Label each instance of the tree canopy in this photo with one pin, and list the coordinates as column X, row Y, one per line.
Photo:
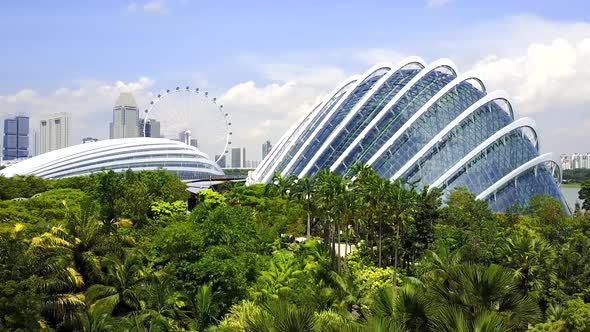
column 120, row 252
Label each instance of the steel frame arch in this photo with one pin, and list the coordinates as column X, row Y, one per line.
column 454, row 83
column 362, row 79
column 360, row 104
column 520, row 123
column 283, row 140
column 490, row 97
column 267, row 174
column 433, row 66
column 547, row 157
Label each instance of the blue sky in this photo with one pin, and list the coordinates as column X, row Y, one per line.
column 270, row 60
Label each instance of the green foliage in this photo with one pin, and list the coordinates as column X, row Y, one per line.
column 118, row 251
column 210, row 198
column 577, row 175
column 577, row 315
column 584, row 194
column 159, row 209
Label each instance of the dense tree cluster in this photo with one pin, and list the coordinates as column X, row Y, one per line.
column 119, row 252
column 577, row 175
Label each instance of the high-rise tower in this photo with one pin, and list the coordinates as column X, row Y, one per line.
column 125, row 117
column 266, row 147
column 16, row 138
column 54, row 132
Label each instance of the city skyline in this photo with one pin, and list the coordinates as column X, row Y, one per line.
column 267, row 81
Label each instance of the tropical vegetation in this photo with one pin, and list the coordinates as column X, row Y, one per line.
column 119, row 252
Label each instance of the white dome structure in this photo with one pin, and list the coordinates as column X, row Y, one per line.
column 137, row 154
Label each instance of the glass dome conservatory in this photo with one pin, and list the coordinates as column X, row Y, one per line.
column 422, row 122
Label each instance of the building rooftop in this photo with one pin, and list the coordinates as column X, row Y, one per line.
column 126, row 99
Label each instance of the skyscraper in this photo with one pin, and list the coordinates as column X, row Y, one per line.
column 236, row 158
column 16, row 138
column 152, row 129
column 266, row 147
column 221, row 161
column 54, row 132
column 125, row 117
column 244, row 157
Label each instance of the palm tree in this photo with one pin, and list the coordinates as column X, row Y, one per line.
column 304, row 190
column 279, row 279
column 281, row 317
column 326, row 184
column 80, row 241
column 279, row 185
column 533, row 259
column 164, row 305
column 372, row 191
column 72, row 260
column 477, row 290
column 121, row 291
column 95, row 320
column 402, row 209
column 407, row 306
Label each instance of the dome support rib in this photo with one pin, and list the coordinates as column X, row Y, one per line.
column 495, row 95
column 436, row 64
column 520, row 123
column 359, row 105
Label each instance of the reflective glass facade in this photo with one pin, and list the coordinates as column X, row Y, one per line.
column 426, row 124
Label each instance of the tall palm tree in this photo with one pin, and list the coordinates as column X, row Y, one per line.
column 371, row 190
column 304, row 190
column 326, row 184
column 279, row 185
column 122, row 289
column 402, row 208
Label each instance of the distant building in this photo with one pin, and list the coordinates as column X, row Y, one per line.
column 221, row 161
column 54, row 132
column 236, row 158
column 243, row 157
column 125, row 117
column 565, row 161
column 266, row 147
column 16, row 138
column 187, row 138
column 89, row 139
column 152, row 128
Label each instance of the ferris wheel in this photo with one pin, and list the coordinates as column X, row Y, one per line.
column 191, row 116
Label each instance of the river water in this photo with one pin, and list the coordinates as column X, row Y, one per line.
column 571, row 196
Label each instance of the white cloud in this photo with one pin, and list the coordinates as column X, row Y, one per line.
column 437, row 3
column 150, row 6
column 550, row 74
column 266, row 112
